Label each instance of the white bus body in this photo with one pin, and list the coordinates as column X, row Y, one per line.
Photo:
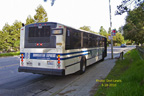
column 55, row 49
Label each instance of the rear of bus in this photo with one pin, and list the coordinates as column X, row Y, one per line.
column 40, row 48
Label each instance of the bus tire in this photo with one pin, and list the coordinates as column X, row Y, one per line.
column 103, row 56
column 82, row 65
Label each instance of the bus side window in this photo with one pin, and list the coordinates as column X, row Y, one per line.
column 67, row 39
column 68, row 33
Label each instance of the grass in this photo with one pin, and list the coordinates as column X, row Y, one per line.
column 9, row 54
column 131, row 73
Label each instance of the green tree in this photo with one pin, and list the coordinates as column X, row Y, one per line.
column 128, row 5
column 11, row 35
column 29, row 20
column 7, row 42
column 120, row 30
column 102, row 31
column 16, row 35
column 109, row 31
column 41, row 15
column 119, row 38
column 87, row 28
column 3, row 44
column 134, row 27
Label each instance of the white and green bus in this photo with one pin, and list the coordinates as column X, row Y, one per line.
column 56, row 49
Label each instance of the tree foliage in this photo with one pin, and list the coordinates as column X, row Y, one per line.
column 29, row 20
column 10, row 34
column 87, row 28
column 109, row 30
column 120, row 30
column 41, row 15
column 119, row 38
column 102, row 31
column 128, row 5
column 134, row 27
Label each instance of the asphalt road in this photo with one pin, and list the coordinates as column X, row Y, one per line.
column 13, row 83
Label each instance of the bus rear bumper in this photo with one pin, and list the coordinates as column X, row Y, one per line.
column 45, row 71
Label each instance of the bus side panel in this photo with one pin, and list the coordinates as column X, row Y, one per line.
column 94, row 56
column 22, row 36
column 72, row 65
column 72, row 69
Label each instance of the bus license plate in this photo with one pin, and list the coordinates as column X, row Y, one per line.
column 50, row 62
column 29, row 64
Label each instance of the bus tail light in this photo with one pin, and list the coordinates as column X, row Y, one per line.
column 41, row 44
column 22, row 56
column 58, row 61
column 37, row 44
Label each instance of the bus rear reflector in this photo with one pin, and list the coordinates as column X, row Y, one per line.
column 58, row 43
column 58, row 55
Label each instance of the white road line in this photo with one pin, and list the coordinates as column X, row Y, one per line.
column 8, row 66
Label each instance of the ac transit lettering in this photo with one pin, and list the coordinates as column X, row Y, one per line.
column 50, row 55
column 38, row 55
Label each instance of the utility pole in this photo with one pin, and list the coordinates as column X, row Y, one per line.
column 111, row 31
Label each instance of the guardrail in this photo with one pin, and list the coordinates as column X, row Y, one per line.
column 121, row 55
column 141, row 50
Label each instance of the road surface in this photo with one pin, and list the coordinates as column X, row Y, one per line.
column 13, row 83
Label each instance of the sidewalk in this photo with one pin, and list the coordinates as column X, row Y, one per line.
column 87, row 85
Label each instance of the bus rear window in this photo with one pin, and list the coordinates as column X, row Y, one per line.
column 39, row 31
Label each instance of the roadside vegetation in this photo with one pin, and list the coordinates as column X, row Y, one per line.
column 10, row 54
column 133, row 29
column 130, row 72
column 10, row 34
column 131, row 32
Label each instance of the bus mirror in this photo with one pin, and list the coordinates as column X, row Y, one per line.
column 23, row 24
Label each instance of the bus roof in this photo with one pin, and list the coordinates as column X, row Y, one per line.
column 64, row 25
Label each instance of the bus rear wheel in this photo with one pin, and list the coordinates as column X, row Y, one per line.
column 82, row 65
column 102, row 56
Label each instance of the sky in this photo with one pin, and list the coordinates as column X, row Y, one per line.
column 74, row 13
